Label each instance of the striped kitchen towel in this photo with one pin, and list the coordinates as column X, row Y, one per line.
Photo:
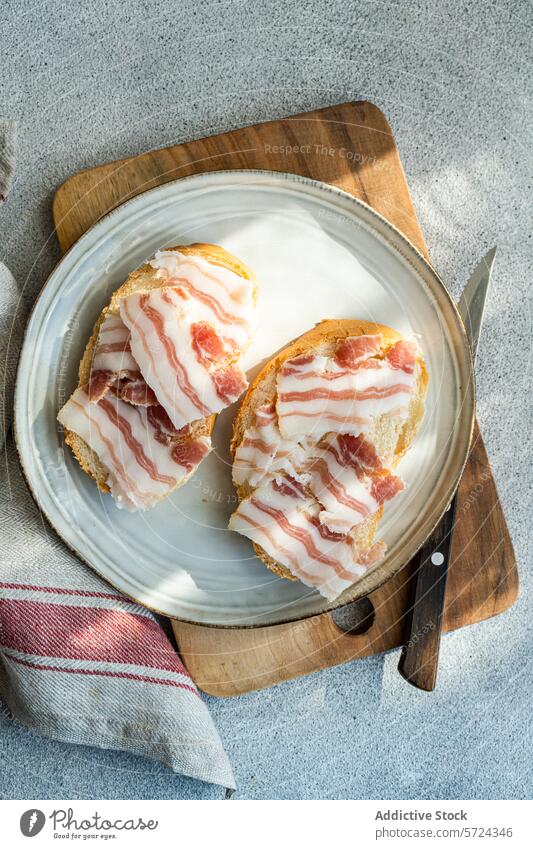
column 82, row 664
column 78, row 661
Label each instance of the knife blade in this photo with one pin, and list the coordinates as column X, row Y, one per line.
column 471, row 304
column 420, row 654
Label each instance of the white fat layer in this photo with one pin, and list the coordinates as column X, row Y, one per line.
column 281, row 445
column 223, row 287
column 296, row 541
column 308, row 416
column 346, row 497
column 263, row 452
column 131, row 484
column 113, row 331
column 186, row 391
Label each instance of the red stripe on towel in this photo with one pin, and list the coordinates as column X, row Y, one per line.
column 86, row 633
column 166, row 682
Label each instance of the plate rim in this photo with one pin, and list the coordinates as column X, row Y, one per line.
column 468, row 394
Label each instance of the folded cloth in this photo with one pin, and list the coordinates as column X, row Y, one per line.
column 78, row 661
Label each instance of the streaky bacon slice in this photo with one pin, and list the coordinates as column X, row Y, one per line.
column 266, row 415
column 112, row 358
column 134, row 390
column 99, row 383
column 342, row 471
column 287, row 527
column 351, row 352
column 316, row 395
column 341, row 488
column 347, row 479
column 112, row 351
column 178, row 355
column 263, row 452
column 402, row 355
column 141, row 469
column 314, row 447
column 170, row 359
column 358, row 452
column 325, row 532
column 164, row 430
column 189, row 453
column 299, row 364
column 288, row 485
column 212, row 293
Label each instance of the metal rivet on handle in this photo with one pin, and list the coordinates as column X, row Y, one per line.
column 437, row 558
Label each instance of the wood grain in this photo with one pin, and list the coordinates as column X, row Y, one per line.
column 350, row 146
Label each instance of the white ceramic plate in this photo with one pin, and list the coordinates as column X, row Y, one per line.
column 317, row 253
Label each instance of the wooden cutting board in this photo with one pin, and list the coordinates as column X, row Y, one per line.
column 352, row 147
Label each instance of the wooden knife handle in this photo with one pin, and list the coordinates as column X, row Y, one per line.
column 420, row 654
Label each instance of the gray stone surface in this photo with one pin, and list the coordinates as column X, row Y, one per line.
column 454, row 80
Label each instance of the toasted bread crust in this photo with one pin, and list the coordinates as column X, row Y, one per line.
column 324, row 337
column 144, row 279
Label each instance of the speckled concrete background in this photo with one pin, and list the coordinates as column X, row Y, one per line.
column 455, row 82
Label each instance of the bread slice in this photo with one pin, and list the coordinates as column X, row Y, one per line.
column 144, row 279
column 391, row 438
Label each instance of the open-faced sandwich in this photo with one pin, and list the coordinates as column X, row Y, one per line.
column 315, row 443
column 163, row 359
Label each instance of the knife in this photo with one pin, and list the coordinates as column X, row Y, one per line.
column 420, row 654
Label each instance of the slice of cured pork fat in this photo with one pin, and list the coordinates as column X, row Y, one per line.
column 318, row 483
column 165, row 360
